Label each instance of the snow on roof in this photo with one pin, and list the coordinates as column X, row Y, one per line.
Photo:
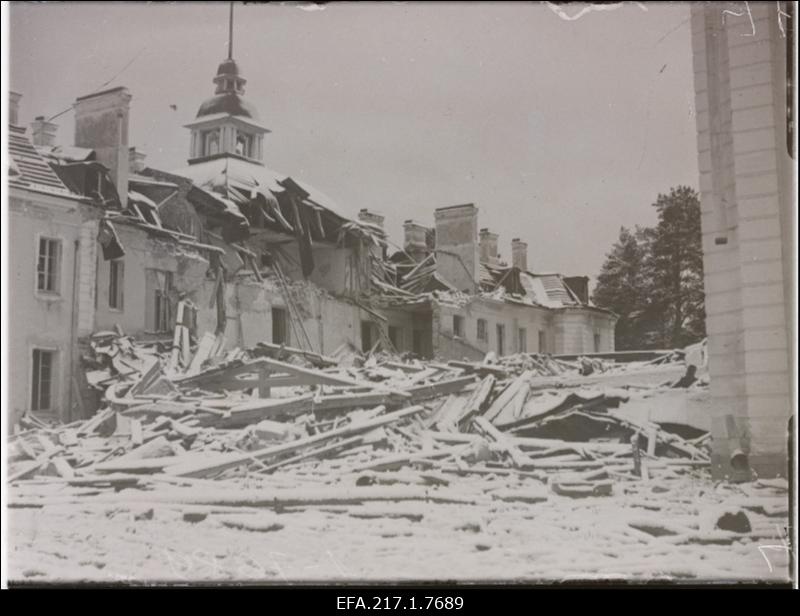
column 214, row 175
column 29, row 169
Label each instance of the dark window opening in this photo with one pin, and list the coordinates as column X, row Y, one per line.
column 394, row 337
column 116, row 283
column 280, row 333
column 597, row 343
column 523, row 340
column 42, row 380
column 501, row 339
column 159, row 293
column 417, row 342
column 458, row 326
column 366, row 336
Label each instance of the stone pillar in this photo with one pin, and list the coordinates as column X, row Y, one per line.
column 747, row 221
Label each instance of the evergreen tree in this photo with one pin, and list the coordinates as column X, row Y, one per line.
column 675, row 255
column 653, row 278
column 622, row 287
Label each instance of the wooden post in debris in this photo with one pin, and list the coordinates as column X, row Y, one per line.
column 637, row 456
column 263, row 381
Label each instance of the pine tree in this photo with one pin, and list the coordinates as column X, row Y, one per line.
column 653, row 278
column 622, row 287
column 675, row 256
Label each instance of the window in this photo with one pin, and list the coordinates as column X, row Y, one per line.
column 158, row 311
column 483, row 330
column 597, row 343
column 42, row 380
column 542, row 342
column 394, row 337
column 116, row 283
column 501, row 339
column 211, row 142
column 244, row 144
column 458, row 326
column 48, row 265
column 523, row 340
column 280, row 333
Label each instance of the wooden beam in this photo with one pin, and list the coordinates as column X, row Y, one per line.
column 204, row 469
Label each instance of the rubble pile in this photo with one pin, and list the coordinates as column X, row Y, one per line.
column 171, row 417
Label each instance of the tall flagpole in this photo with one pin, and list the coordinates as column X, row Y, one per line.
column 230, row 34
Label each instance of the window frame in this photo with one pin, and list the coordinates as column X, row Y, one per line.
column 34, row 391
column 482, row 330
column 284, row 320
column 57, row 268
column 205, row 141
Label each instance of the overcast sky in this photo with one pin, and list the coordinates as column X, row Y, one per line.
column 559, row 130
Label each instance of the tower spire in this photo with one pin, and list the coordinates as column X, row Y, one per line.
column 230, row 34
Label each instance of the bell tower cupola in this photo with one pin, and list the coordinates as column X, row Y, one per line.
column 226, row 124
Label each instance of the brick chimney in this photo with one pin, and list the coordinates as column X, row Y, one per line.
column 488, row 246
column 135, row 160
column 13, row 107
column 414, row 239
column 457, row 254
column 370, row 217
column 43, row 132
column 579, row 285
column 519, row 254
column 101, row 123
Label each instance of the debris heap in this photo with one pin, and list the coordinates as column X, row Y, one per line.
column 172, row 417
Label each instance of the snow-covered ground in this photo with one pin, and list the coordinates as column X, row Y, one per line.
column 658, row 529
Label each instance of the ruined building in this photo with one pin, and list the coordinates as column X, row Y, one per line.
column 224, row 252
column 448, row 294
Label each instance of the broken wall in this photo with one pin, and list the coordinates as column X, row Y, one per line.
column 411, row 331
column 142, row 253
column 329, row 322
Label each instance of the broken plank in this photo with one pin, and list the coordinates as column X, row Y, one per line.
column 477, row 401
column 319, row 452
column 420, row 393
column 519, row 459
column 203, row 469
column 507, row 395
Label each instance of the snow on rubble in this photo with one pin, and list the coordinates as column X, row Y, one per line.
column 276, row 464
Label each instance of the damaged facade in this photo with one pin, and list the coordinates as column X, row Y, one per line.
column 448, row 294
column 226, row 253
